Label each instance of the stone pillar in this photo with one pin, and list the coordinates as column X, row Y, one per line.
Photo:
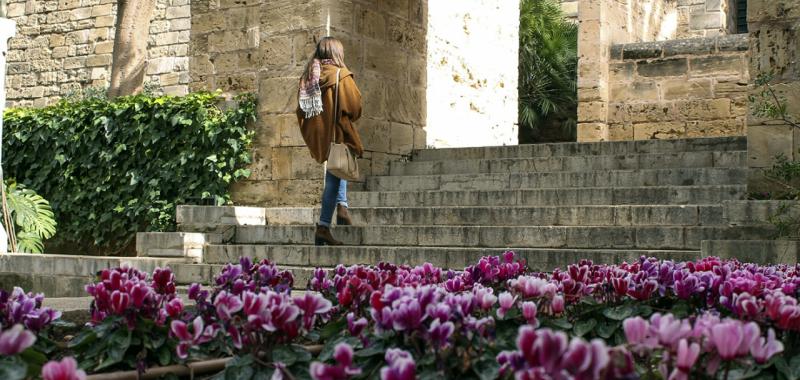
column 774, row 27
column 8, row 29
column 598, row 21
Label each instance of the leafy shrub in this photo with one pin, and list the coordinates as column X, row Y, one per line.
column 112, row 168
column 32, row 216
column 548, row 64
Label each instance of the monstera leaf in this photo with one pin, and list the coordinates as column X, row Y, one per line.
column 33, row 218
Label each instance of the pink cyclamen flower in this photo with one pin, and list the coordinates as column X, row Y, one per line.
column 439, row 333
column 766, row 348
column 16, row 340
column 687, row 355
column 355, row 326
column 557, row 304
column 311, row 305
column 529, row 312
column 636, row 330
column 66, row 369
column 227, row 304
column 401, row 366
column 669, row 329
column 506, row 303
column 342, row 370
column 200, row 334
column 727, row 337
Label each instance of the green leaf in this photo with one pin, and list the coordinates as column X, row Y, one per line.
column 560, row 323
column 606, row 329
column 377, row 348
column 619, row 313
column 12, row 368
column 285, row 355
column 487, row 369
column 581, row 328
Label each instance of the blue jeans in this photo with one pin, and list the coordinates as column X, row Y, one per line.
column 335, row 193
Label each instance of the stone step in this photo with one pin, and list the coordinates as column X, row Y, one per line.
column 755, row 251
column 446, row 257
column 675, row 215
column 611, row 178
column 719, row 144
column 177, row 244
column 573, row 163
column 553, row 197
column 627, row 237
column 65, row 275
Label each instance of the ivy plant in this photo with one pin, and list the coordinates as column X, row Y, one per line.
column 111, row 168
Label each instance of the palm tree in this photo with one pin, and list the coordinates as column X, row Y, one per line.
column 548, row 60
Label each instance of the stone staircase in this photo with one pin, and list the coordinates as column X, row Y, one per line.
column 553, row 204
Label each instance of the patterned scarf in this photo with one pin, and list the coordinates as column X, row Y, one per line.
column 310, row 96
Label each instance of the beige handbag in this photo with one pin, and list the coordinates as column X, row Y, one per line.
column 341, row 161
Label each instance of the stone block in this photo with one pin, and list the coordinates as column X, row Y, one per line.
column 275, row 52
column 776, row 10
column 294, row 163
column 733, row 43
column 717, row 65
column 766, row 142
column 102, row 10
column 177, row 25
column 278, row 95
column 409, row 36
column 632, row 112
column 277, row 193
column 370, row 23
column 642, row 50
column 620, row 132
column 106, row 47
column 754, row 251
column 103, row 21
column 245, row 82
column 183, row 11
column 691, row 46
column 715, row 128
column 730, row 87
column 662, row 67
column 711, row 109
column 174, row 244
column 634, row 92
column 592, row 112
column 709, row 20
column 590, row 132
column 665, row 130
column 621, row 72
column 673, row 89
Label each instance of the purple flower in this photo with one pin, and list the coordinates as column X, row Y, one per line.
column 529, row 312
column 355, row 326
column 15, row 340
column 311, row 305
column 227, row 304
column 506, row 303
column 484, row 297
column 407, row 315
column 766, row 348
column 200, row 334
column 342, row 370
column 401, row 366
column 66, row 369
column 727, row 337
column 439, row 333
column 636, row 330
column 557, row 305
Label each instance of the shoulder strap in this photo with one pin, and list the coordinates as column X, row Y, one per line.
column 335, row 105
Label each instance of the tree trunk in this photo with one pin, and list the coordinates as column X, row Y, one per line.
column 129, row 62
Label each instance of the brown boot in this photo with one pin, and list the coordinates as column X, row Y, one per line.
column 323, row 236
column 343, row 216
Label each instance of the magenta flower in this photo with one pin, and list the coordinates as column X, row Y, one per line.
column 636, row 330
column 766, row 348
column 355, row 326
column 120, row 302
column 311, row 305
column 506, row 303
column 484, row 297
column 439, row 333
column 727, row 337
column 669, row 330
column 227, row 304
column 200, row 334
column 687, row 355
column 557, row 305
column 401, row 366
column 407, row 315
column 15, row 340
column 529, row 312
column 66, row 369
column 342, row 370
column 174, row 307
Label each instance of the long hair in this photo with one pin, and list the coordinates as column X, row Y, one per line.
column 327, row 48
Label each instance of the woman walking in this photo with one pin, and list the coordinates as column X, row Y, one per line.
column 323, row 119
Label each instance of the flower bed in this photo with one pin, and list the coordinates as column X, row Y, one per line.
column 495, row 319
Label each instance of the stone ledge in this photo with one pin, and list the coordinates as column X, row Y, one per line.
column 691, row 46
column 175, row 244
column 754, row 251
column 755, row 213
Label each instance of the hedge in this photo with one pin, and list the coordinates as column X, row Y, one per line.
column 111, row 168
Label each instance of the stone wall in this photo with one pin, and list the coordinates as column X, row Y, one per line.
column 774, row 27
column 706, row 18
column 63, row 46
column 263, row 46
column 677, row 89
column 472, row 56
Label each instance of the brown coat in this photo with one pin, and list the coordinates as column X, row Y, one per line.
column 317, row 130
